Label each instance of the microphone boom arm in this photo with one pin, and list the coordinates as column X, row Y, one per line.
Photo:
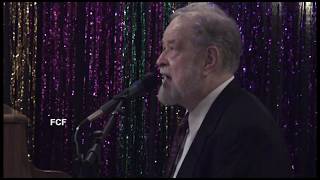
column 93, row 153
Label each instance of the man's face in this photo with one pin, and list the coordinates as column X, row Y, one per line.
column 179, row 64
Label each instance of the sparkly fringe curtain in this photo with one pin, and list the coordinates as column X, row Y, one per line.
column 20, row 41
column 64, row 60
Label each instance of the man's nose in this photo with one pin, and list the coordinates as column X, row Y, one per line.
column 161, row 61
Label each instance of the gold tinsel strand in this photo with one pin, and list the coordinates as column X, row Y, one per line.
column 33, row 91
column 12, row 55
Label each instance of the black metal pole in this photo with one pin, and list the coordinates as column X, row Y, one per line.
column 92, row 160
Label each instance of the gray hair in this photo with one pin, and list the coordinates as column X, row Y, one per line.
column 214, row 26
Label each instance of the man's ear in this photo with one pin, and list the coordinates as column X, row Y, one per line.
column 211, row 59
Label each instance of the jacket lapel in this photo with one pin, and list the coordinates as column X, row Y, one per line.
column 207, row 127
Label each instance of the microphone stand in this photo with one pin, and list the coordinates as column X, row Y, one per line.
column 88, row 166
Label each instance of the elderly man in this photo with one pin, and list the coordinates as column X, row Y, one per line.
column 227, row 132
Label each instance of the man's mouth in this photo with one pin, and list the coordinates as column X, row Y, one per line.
column 165, row 77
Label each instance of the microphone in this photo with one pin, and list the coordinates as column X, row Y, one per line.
column 146, row 84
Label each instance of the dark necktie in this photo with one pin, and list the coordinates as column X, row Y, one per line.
column 177, row 146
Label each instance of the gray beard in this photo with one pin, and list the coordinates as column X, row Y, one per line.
column 168, row 96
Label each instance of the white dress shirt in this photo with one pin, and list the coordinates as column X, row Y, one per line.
column 196, row 118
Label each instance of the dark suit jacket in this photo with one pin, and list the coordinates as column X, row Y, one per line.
column 238, row 138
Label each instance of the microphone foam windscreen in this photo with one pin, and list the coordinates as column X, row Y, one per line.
column 150, row 82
